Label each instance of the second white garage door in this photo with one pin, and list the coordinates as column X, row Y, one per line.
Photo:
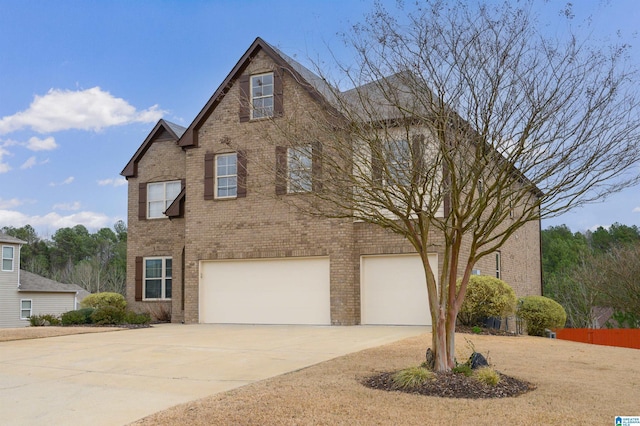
column 393, row 289
column 265, row 291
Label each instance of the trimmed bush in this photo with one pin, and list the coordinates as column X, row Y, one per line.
column 99, row 300
column 541, row 313
column 107, row 315
column 486, row 297
column 131, row 317
column 78, row 317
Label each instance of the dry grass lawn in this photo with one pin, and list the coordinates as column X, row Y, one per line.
column 576, row 384
column 22, row 333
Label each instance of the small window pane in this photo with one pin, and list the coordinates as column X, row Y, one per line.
column 153, row 289
column 154, row 268
column 155, row 192
column 167, row 291
column 173, row 189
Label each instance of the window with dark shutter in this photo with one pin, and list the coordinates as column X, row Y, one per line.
column 316, row 166
column 209, row 176
column 142, row 201
column 138, row 279
column 245, row 110
column 281, row 170
column 242, row 174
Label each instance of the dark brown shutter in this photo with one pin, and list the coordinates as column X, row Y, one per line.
column 281, row 170
column 208, row 176
column 245, row 98
column 376, row 163
column 142, row 201
column 278, row 104
column 316, row 166
column 417, row 158
column 138, row 292
column 242, row 173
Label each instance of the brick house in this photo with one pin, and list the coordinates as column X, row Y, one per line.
column 205, row 244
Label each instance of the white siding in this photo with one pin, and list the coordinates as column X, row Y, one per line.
column 9, row 296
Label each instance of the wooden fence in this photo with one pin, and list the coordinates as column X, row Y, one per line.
column 622, row 337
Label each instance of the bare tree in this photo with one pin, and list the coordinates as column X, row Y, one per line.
column 464, row 124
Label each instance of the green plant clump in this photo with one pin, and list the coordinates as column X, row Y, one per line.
column 73, row 318
column 541, row 313
column 487, row 375
column 486, row 297
column 99, row 300
column 108, row 315
column 412, row 377
column 463, row 369
column 42, row 320
column 131, row 317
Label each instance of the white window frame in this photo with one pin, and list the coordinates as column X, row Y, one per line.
column 299, row 175
column 22, row 309
column 12, row 258
column 163, row 278
column 498, row 265
column 166, row 200
column 219, row 176
column 260, row 111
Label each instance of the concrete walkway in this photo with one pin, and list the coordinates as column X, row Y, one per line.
column 118, row 377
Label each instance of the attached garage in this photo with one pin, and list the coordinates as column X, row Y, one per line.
column 265, row 291
column 393, row 289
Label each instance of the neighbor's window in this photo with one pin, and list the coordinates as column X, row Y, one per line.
column 157, row 278
column 498, row 265
column 227, row 175
column 299, row 169
column 398, row 157
column 262, row 95
column 25, row 309
column 7, row 258
column 160, row 195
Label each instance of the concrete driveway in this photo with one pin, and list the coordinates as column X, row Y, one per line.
column 117, row 377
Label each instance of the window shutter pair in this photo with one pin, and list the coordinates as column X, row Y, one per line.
column 245, row 96
column 209, row 175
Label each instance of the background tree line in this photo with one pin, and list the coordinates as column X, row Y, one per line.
column 582, row 271
column 95, row 261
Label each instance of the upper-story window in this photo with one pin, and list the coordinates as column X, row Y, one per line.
column 226, row 175
column 7, row 258
column 399, row 165
column 261, row 95
column 300, row 169
column 160, row 195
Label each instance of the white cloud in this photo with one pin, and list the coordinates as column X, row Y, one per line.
column 4, row 167
column 8, row 204
column 113, row 182
column 67, row 181
column 47, row 144
column 90, row 109
column 75, row 206
column 54, row 221
column 636, row 210
column 31, row 161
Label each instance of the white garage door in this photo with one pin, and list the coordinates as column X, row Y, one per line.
column 393, row 289
column 269, row 291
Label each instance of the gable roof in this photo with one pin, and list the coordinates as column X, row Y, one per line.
column 314, row 85
column 4, row 238
column 35, row 283
column 163, row 131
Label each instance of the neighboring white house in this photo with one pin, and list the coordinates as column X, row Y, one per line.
column 23, row 293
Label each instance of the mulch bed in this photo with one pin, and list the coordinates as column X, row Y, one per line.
column 454, row 385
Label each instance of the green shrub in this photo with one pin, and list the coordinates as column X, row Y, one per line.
column 541, row 313
column 107, row 315
column 99, row 300
column 487, row 375
column 412, row 377
column 131, row 317
column 486, row 297
column 76, row 317
column 43, row 320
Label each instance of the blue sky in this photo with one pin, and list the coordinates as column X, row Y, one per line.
column 83, row 82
